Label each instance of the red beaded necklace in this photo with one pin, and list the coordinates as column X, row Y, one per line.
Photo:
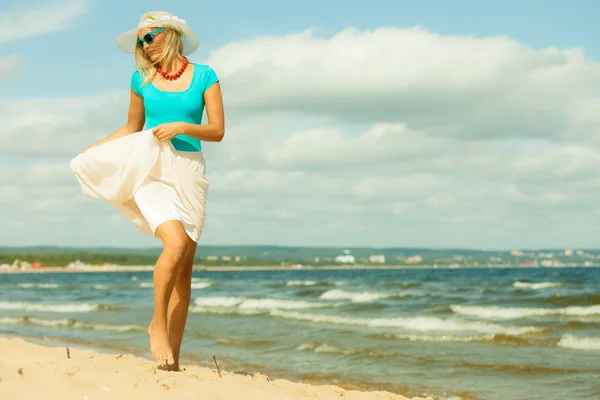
column 177, row 74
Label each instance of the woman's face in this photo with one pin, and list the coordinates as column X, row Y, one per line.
column 152, row 42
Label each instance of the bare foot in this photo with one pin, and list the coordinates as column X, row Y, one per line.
column 159, row 345
column 170, row 368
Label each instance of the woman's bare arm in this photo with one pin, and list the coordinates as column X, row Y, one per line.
column 214, row 130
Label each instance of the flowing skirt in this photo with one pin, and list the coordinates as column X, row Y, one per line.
column 147, row 180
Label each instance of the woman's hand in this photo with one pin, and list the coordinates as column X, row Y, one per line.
column 167, row 131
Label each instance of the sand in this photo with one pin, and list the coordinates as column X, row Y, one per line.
column 32, row 371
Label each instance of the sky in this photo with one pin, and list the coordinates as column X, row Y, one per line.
column 470, row 124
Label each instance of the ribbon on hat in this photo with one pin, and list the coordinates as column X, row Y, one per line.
column 150, row 19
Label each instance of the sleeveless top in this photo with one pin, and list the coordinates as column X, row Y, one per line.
column 183, row 106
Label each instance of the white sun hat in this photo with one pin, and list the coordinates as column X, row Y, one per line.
column 127, row 40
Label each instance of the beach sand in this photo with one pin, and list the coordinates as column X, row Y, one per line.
column 32, row 371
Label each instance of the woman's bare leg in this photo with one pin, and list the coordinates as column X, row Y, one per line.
column 180, row 302
column 175, row 243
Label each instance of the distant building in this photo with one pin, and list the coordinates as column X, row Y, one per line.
column 545, row 255
column 517, row 253
column 226, row 258
column 345, row 259
column 551, row 263
column 414, row 260
column 568, row 252
column 212, row 258
column 377, row 258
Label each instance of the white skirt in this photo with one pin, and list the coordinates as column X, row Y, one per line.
column 147, row 180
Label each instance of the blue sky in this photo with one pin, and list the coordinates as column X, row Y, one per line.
column 391, row 123
column 87, row 48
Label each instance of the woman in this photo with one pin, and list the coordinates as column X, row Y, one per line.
column 156, row 176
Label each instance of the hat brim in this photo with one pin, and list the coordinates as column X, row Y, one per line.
column 126, row 41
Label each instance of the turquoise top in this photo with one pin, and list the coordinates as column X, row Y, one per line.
column 184, row 106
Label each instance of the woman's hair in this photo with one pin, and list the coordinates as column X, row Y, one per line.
column 172, row 49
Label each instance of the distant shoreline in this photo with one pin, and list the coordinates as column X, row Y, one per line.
column 145, row 268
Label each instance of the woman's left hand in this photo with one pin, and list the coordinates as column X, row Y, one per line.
column 167, row 131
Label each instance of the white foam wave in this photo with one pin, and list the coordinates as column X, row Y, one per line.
column 494, row 312
column 577, row 342
column 357, row 297
column 536, row 286
column 301, row 283
column 244, row 305
column 59, row 308
column 201, row 285
column 68, row 323
column 38, row 285
column 10, row 320
column 426, row 324
column 110, row 328
column 331, row 349
column 444, row 338
column 101, row 287
column 196, row 284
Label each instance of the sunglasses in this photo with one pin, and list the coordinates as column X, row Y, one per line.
column 148, row 38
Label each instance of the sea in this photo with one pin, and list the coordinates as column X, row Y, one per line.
column 453, row 334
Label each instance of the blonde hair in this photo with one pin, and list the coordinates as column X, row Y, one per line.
column 172, row 49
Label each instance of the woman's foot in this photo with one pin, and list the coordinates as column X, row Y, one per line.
column 159, row 345
column 170, row 368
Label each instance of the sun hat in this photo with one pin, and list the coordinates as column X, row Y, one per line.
column 126, row 41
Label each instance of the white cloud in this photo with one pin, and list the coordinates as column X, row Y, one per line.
column 380, row 146
column 59, row 126
column 461, row 86
column 22, row 22
column 9, row 66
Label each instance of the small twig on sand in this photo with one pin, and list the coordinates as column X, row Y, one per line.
column 68, row 353
column 20, row 371
column 218, row 371
column 119, row 356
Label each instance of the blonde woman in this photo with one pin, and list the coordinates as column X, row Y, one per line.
column 152, row 169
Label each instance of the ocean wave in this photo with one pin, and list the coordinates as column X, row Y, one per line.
column 494, row 338
column 70, row 323
column 536, row 286
column 38, row 285
column 104, row 287
column 245, row 305
column 59, row 308
column 579, row 299
column 358, row 297
column 301, row 283
column 426, row 324
column 243, row 342
column 440, row 338
column 521, row 369
column 571, row 341
column 403, row 284
column 495, row 312
column 197, row 283
column 201, row 285
column 324, row 348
